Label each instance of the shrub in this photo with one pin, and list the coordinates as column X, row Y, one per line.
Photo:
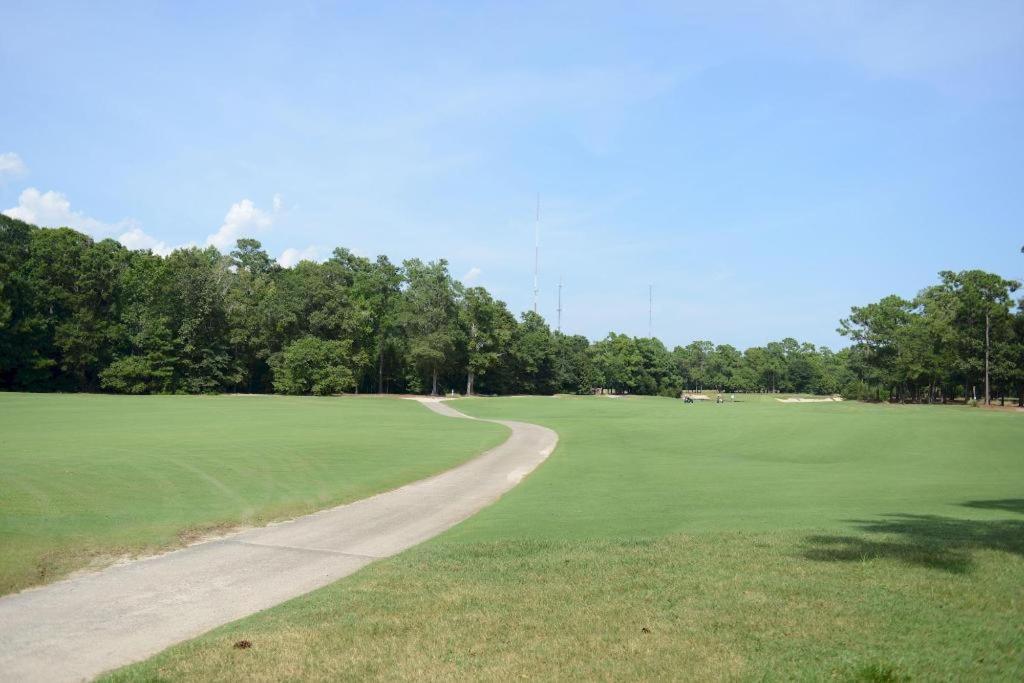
column 856, row 390
column 313, row 366
column 147, row 374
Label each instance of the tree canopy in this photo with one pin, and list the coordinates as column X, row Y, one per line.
column 948, row 341
column 83, row 315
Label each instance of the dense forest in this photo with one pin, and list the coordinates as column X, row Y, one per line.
column 84, row 315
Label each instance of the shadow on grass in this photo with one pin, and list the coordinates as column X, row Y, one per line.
column 1007, row 504
column 932, row 541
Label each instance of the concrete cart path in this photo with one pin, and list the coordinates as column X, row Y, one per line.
column 78, row 628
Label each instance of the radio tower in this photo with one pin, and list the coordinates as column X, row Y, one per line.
column 559, row 303
column 650, row 310
column 536, row 255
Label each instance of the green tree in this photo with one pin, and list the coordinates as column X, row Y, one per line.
column 255, row 317
column 878, row 329
column 573, row 365
column 1012, row 365
column 723, row 365
column 754, row 373
column 430, row 317
column 25, row 340
column 146, row 360
column 656, row 366
column 532, row 351
column 692, row 363
column 379, row 289
column 619, row 363
column 488, row 328
column 976, row 299
column 313, row 366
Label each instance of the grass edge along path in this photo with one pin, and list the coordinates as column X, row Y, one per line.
column 90, row 479
column 843, row 588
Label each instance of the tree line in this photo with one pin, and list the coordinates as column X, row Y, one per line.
column 83, row 315
column 960, row 338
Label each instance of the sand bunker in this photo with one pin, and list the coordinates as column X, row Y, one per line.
column 810, row 400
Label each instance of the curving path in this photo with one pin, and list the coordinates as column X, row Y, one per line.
column 78, row 628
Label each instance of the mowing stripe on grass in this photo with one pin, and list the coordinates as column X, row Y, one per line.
column 83, row 626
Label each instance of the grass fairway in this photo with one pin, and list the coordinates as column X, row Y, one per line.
column 745, row 541
column 84, row 478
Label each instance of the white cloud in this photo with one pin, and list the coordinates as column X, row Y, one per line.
column 53, row 210
column 471, row 275
column 11, row 165
column 136, row 238
column 243, row 219
column 292, row 256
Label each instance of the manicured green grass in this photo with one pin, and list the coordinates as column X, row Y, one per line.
column 749, row 541
column 647, row 467
column 85, row 478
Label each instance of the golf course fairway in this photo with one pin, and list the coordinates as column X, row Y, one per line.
column 751, row 540
column 86, row 479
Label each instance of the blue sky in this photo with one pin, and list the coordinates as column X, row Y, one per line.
column 763, row 165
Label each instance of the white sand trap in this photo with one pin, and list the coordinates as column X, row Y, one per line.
column 697, row 397
column 810, row 400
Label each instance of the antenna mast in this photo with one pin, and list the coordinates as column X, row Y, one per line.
column 650, row 310
column 536, row 254
column 559, row 303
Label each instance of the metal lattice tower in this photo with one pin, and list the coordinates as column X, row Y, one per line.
column 536, row 255
column 650, row 311
column 559, row 303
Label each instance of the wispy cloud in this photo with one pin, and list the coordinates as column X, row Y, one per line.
column 471, row 276
column 926, row 40
column 11, row 165
column 953, row 46
column 593, row 98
